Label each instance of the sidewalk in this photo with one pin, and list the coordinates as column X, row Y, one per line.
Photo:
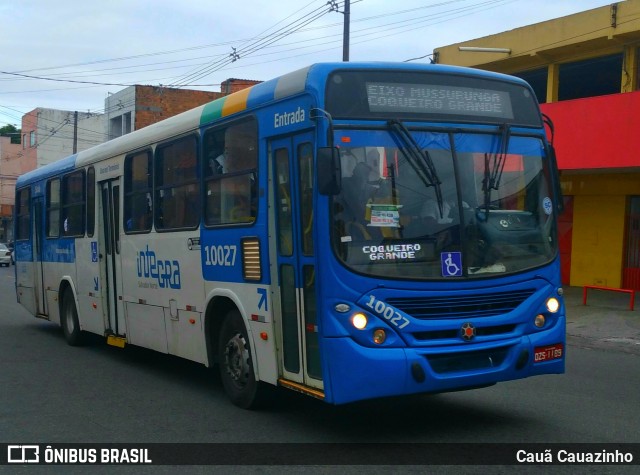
column 605, row 322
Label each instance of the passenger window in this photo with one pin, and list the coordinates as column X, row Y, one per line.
column 305, row 181
column 53, row 208
column 91, row 201
column 23, row 214
column 231, row 160
column 73, row 204
column 177, row 194
column 138, row 183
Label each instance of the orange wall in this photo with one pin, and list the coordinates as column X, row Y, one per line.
column 598, row 240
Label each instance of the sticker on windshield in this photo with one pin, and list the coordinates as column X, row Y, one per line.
column 384, row 215
column 547, row 205
column 451, row 263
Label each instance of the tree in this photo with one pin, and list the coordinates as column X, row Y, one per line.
column 10, row 130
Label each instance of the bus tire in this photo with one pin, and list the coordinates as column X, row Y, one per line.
column 236, row 364
column 69, row 320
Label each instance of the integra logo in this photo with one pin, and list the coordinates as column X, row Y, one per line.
column 289, row 118
column 165, row 272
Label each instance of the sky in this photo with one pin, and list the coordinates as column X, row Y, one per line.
column 71, row 54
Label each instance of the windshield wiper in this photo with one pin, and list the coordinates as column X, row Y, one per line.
column 419, row 159
column 494, row 166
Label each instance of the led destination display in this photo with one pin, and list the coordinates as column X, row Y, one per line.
column 438, row 99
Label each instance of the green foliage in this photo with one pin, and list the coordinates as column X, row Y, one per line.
column 11, row 131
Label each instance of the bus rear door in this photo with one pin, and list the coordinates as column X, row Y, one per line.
column 109, row 256
column 293, row 260
column 38, row 228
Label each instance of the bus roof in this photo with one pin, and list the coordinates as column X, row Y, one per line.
column 311, row 78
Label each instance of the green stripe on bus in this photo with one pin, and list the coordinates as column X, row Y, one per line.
column 212, row 111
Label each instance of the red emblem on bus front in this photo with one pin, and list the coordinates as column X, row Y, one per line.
column 467, row 331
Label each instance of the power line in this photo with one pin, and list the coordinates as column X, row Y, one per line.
column 224, row 43
column 64, row 80
column 265, row 43
column 224, row 61
column 246, row 50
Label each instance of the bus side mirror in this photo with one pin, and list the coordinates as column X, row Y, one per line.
column 329, row 171
column 556, row 180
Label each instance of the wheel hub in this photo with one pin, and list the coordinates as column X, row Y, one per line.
column 237, row 359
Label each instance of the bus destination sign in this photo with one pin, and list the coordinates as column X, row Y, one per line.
column 438, row 99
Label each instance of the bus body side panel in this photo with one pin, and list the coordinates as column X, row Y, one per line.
column 254, row 303
column 91, row 312
column 59, row 264
column 37, row 277
column 163, row 292
column 25, row 276
column 222, row 269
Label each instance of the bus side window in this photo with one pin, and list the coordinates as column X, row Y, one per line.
column 23, row 214
column 176, row 187
column 53, row 208
column 73, row 204
column 138, row 205
column 230, row 164
column 91, row 201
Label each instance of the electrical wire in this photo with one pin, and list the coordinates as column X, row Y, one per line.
column 262, row 42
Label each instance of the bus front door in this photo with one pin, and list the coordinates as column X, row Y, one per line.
column 294, row 263
column 109, row 255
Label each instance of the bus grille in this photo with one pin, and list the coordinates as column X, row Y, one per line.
column 469, row 361
column 449, row 334
column 461, row 306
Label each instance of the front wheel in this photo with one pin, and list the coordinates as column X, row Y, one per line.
column 236, row 364
column 69, row 319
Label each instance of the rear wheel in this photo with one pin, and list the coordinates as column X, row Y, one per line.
column 69, row 320
column 236, row 364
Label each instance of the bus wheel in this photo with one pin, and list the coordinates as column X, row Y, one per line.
column 69, row 320
column 236, row 365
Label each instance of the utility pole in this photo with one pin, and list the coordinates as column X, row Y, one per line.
column 345, row 35
column 75, row 131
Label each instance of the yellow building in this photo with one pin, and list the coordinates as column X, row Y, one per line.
column 584, row 70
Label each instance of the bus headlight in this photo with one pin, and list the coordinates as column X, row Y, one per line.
column 553, row 305
column 539, row 321
column 359, row 320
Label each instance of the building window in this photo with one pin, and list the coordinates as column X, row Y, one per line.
column 537, row 78
column 177, row 192
column 138, row 187
column 591, row 77
column 126, row 123
column 32, row 138
column 230, row 170
column 120, row 125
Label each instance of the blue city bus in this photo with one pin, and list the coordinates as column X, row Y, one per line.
column 348, row 231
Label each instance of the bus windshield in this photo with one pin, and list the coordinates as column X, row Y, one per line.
column 442, row 206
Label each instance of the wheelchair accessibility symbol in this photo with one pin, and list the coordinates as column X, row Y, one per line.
column 451, row 263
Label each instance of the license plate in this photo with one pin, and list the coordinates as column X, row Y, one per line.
column 547, row 353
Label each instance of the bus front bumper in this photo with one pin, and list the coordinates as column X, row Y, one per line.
column 357, row 372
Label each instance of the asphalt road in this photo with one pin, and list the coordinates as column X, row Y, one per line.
column 53, row 393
